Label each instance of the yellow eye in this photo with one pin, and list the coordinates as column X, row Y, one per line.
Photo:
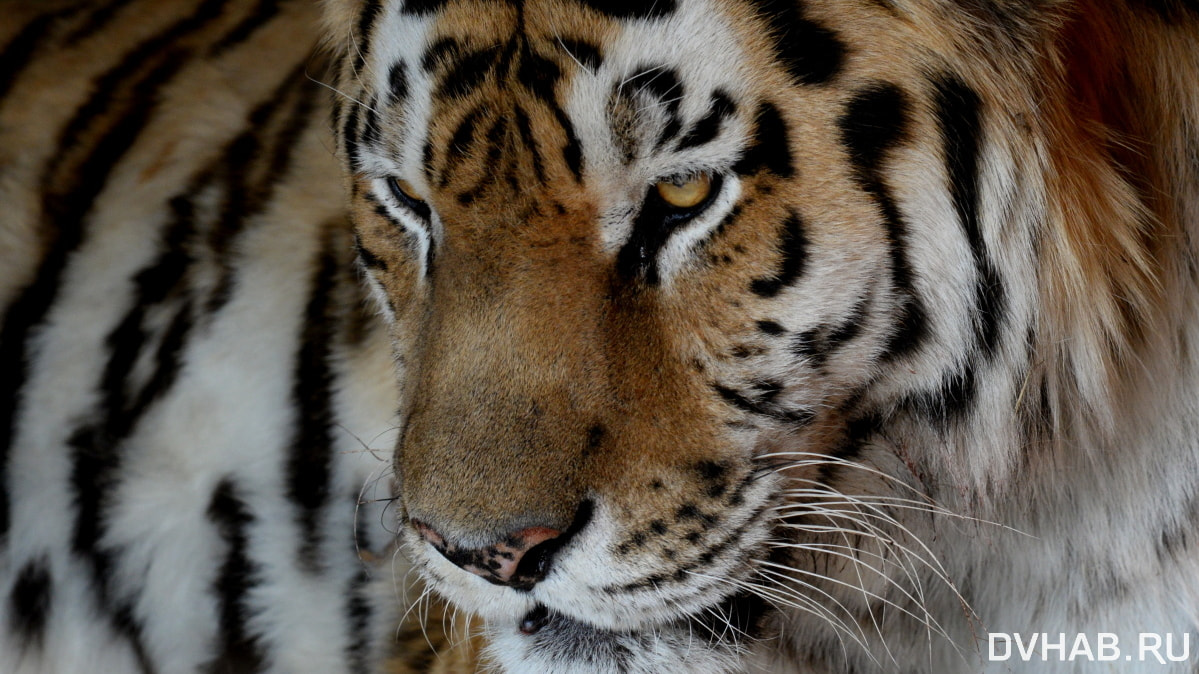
column 405, row 188
column 685, row 192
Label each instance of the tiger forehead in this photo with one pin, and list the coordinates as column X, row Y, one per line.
column 471, row 41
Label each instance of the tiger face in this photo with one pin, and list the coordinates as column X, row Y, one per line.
column 663, row 280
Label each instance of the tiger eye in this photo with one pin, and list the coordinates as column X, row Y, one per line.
column 406, row 187
column 685, row 192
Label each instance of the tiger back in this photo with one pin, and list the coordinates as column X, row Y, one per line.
column 193, row 390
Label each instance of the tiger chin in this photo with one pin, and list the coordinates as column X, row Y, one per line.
column 781, row 336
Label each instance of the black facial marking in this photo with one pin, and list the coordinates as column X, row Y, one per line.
column 875, row 121
column 958, row 110
column 493, row 139
column 820, row 342
column 664, row 86
column 763, row 407
column 423, row 7
column 655, row 223
column 768, row 390
column 584, row 52
column 572, row 152
column 794, row 246
column 595, row 437
column 349, row 136
column 632, row 9
column 708, row 127
column 947, row 403
column 442, row 51
column 539, row 75
column 711, row 470
column 371, row 9
column 770, row 148
column 525, row 132
column 771, row 327
column 811, row 53
column 467, row 73
column 397, row 80
column 370, row 125
column 689, row 512
column 461, row 142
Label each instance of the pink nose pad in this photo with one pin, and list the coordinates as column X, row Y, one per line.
column 500, row 563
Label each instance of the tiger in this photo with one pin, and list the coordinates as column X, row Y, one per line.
column 598, row 336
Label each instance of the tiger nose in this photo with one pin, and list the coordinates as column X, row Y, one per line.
column 520, row 560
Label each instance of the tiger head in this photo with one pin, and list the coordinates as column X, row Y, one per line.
column 691, row 299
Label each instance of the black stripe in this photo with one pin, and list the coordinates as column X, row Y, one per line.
column 467, row 73
column 958, row 111
column 811, row 53
column 349, row 137
column 494, row 139
column 397, row 81
column 794, row 248
column 249, row 182
column 763, row 408
column 584, row 52
column 525, row 129
column 423, row 7
column 359, row 611
column 706, row 129
column 539, row 75
column 31, row 601
column 632, row 9
column 369, row 259
column 460, row 144
column 875, row 121
column 70, row 186
column 657, row 221
column 309, row 464
column 18, row 52
column 240, row 651
column 572, row 152
column 947, row 403
column 770, row 147
column 97, row 21
column 822, row 341
column 663, row 85
column 371, row 9
column 262, row 13
column 371, row 133
column 442, row 51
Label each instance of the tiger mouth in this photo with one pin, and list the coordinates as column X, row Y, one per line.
column 728, row 623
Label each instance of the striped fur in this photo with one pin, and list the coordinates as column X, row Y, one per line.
column 919, row 367
column 191, row 379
